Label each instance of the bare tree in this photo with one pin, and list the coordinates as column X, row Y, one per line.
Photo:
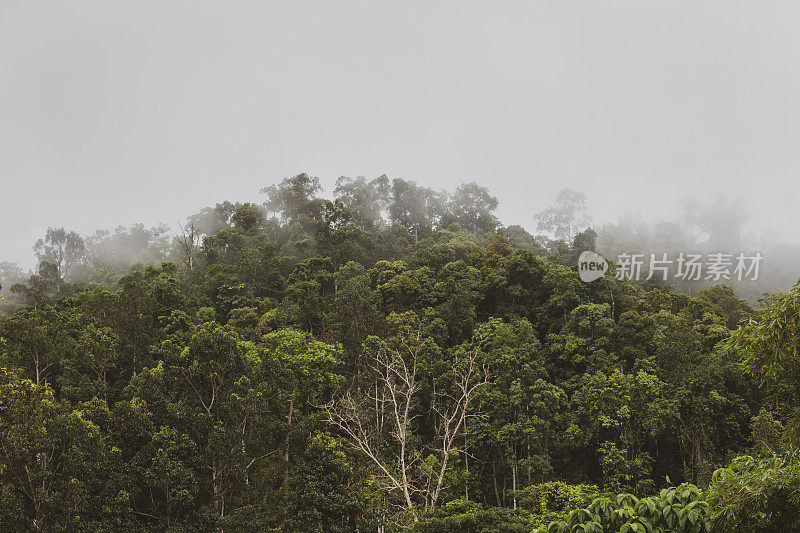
column 381, row 418
column 453, row 409
column 188, row 240
column 395, row 388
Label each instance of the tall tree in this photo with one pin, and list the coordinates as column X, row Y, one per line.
column 294, row 197
column 414, row 207
column 379, row 419
column 473, row 208
column 365, row 200
column 61, row 248
column 567, row 217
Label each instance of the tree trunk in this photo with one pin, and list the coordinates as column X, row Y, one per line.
column 285, row 483
column 514, row 482
column 466, row 463
column 494, row 480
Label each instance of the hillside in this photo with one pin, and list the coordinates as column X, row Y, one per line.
column 392, row 359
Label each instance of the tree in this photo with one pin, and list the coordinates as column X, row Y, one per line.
column 10, row 273
column 123, row 247
column 757, row 494
column 365, row 200
column 327, row 494
column 309, row 289
column 379, row 419
column 567, row 217
column 42, row 287
column 53, row 459
column 305, row 368
column 355, row 313
column 63, row 249
column 248, row 217
column 211, row 220
column 189, row 240
column 519, row 238
column 472, row 207
column 40, row 341
column 616, row 416
column 769, row 349
column 522, row 414
column 209, row 386
column 414, row 208
column 294, row 197
column 167, row 465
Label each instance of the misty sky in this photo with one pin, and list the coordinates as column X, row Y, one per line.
column 114, row 112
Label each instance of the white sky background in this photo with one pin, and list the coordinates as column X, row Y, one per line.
column 114, row 112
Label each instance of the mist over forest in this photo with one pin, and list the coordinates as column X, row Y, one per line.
column 385, row 206
column 390, row 357
column 554, row 289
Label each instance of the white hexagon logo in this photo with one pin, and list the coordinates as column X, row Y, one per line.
column 591, row 266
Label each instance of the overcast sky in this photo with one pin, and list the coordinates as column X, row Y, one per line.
column 114, row 112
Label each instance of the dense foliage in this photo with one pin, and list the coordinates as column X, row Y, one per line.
column 677, row 509
column 392, row 358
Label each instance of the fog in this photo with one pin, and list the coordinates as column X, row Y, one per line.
column 118, row 113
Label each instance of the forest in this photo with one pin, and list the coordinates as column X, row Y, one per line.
column 391, row 358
